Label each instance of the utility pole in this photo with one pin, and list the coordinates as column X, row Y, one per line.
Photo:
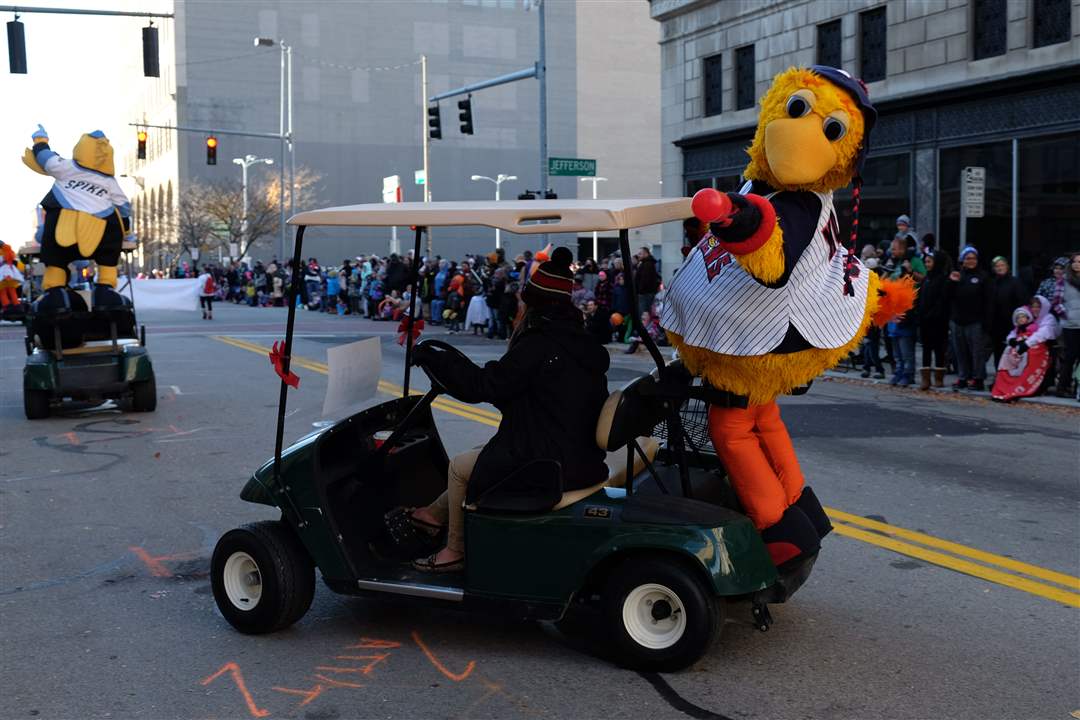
column 541, row 75
column 292, row 143
column 424, row 139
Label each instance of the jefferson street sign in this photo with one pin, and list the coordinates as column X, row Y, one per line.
column 572, row 167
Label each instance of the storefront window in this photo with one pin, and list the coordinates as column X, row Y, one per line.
column 990, row 234
column 1049, row 201
column 886, row 194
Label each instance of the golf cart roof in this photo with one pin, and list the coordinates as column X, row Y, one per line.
column 521, row 216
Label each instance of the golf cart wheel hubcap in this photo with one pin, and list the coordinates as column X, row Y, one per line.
column 243, row 583
column 654, row 616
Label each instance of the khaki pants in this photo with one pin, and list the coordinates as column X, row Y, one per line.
column 448, row 508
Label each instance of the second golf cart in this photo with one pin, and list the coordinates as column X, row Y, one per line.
column 659, row 547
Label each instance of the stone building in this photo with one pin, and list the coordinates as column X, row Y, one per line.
column 357, row 111
column 957, row 83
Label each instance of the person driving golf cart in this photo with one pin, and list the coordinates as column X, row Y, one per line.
column 550, row 387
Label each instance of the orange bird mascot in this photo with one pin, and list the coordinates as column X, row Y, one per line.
column 769, row 298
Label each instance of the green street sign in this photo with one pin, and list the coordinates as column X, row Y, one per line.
column 571, row 166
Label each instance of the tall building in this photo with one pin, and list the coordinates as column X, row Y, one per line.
column 957, row 83
column 357, row 112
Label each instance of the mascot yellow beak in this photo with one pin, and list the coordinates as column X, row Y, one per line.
column 797, row 150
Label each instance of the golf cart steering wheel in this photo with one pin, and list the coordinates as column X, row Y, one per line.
column 440, row 347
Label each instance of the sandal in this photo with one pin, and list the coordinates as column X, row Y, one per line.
column 430, row 565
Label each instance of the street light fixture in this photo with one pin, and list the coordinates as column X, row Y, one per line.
column 595, row 238
column 499, row 180
column 244, row 163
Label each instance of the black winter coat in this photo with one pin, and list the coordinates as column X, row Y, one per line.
column 550, row 386
column 1008, row 294
column 970, row 298
column 932, row 302
column 646, row 277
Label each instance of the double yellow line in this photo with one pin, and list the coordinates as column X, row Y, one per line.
column 998, row 569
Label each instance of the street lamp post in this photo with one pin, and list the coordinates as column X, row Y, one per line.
column 244, row 163
column 595, row 239
column 285, row 131
column 499, row 180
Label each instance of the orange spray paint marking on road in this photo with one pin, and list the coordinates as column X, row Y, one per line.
column 456, row 677
column 72, row 438
column 375, row 660
column 337, row 683
column 367, row 643
column 152, row 563
column 238, row 678
column 308, row 695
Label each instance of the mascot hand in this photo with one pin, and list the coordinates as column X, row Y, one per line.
column 1021, row 347
column 131, row 237
column 1012, row 342
column 40, row 135
column 741, row 224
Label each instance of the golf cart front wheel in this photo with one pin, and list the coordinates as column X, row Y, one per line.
column 262, row 577
column 35, row 404
column 660, row 615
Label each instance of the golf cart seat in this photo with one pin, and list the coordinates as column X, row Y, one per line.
column 616, row 464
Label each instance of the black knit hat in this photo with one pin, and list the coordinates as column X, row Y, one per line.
column 551, row 282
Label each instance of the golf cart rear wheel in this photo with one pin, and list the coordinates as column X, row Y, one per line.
column 35, row 404
column 144, row 395
column 262, row 577
column 659, row 614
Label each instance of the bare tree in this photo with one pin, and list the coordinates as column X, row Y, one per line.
column 194, row 221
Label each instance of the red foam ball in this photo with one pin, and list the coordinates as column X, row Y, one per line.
column 710, row 205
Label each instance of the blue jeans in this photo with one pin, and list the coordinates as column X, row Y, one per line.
column 436, row 311
column 904, row 354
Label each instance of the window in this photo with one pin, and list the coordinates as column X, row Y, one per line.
column 713, row 85
column 828, row 44
column 886, row 193
column 1051, row 22
column 872, row 44
column 990, row 20
column 744, row 77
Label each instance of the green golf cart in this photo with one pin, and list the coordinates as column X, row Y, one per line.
column 658, row 548
column 83, row 353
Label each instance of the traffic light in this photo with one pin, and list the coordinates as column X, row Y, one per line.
column 150, row 52
column 465, row 115
column 211, row 150
column 142, row 144
column 434, row 123
column 16, row 47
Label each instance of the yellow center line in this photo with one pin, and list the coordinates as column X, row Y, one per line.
column 846, row 524
column 963, row 566
column 957, row 549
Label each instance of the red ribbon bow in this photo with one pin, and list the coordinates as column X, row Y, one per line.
column 403, row 328
column 277, row 359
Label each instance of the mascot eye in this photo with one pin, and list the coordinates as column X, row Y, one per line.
column 797, row 106
column 834, row 129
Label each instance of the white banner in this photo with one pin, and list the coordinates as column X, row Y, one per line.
column 164, row 294
column 354, row 371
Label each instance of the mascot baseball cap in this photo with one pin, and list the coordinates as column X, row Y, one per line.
column 856, row 88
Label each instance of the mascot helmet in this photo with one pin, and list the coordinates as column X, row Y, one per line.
column 93, row 151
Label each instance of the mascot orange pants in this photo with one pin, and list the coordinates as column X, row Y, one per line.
column 755, row 447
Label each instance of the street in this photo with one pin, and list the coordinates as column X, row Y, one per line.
column 950, row 588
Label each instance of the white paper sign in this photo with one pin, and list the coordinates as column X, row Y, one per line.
column 354, row 372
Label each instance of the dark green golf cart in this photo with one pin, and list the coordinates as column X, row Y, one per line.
column 83, row 353
column 658, row 548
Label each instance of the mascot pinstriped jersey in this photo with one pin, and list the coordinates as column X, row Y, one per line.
column 86, row 214
column 769, row 298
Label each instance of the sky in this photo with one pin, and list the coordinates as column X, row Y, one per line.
column 80, row 73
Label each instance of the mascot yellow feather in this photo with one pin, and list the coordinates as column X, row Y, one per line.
column 770, row 298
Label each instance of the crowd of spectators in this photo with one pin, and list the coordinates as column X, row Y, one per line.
column 475, row 294
column 964, row 314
